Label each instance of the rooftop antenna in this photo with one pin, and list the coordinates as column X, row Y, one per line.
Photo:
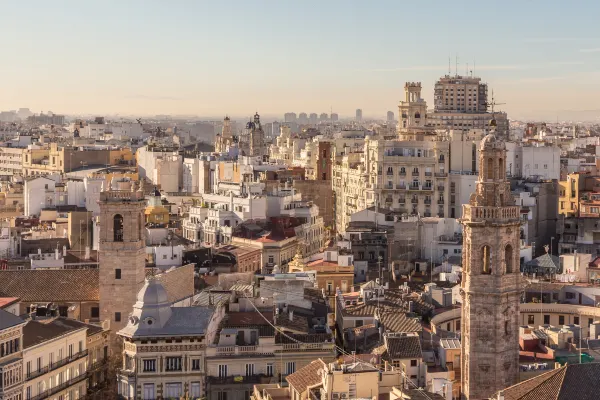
column 456, row 65
column 449, row 69
column 473, row 68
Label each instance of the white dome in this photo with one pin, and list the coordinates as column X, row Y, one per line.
column 152, row 293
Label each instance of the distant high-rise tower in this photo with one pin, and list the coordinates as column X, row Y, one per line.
column 358, row 114
column 289, row 117
column 313, row 119
column 122, row 253
column 390, row 116
column 302, row 118
column 491, row 285
column 323, row 117
column 334, row 117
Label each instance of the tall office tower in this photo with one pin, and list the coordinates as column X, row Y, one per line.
column 334, row 117
column 313, row 119
column 289, row 117
column 491, row 286
column 323, row 117
column 390, row 116
column 461, row 103
column 303, row 118
column 358, row 114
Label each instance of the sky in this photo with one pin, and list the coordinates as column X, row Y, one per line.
column 211, row 58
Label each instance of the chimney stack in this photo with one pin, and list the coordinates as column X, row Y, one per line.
column 87, row 252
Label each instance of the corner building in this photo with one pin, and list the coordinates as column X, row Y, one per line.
column 491, row 280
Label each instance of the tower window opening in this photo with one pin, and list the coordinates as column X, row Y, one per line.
column 118, row 228
column 501, row 170
column 490, row 169
column 487, row 265
column 508, row 259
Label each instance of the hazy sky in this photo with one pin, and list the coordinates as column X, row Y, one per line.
column 215, row 57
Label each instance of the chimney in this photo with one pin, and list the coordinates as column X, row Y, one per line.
column 291, row 313
column 39, row 252
column 87, row 252
column 64, row 251
column 56, row 254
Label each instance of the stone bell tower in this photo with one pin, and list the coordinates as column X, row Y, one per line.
column 491, row 280
column 121, row 253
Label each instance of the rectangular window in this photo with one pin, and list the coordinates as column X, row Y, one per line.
column 196, row 364
column 80, row 346
column 290, row 367
column 531, row 319
column 270, row 369
column 149, row 365
column 413, row 363
column 173, row 364
column 173, row 390
column 221, row 395
column 95, row 312
column 149, row 391
column 70, row 350
column 546, row 319
column 222, row 370
column 118, row 273
column 117, row 317
column 576, row 320
column 195, row 390
column 249, row 369
column 561, row 319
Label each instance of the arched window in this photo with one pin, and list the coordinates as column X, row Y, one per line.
column 417, row 115
column 118, row 227
column 490, row 169
column 140, row 224
column 486, row 256
column 508, row 258
column 501, row 169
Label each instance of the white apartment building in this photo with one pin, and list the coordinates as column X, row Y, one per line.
column 404, row 176
column 538, row 162
column 46, row 191
column 11, row 161
column 168, row 174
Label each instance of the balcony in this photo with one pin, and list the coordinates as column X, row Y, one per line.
column 440, row 201
column 415, row 173
column 55, row 365
column 414, row 201
column 388, row 187
column 97, row 365
column 413, row 187
column 441, row 160
column 441, row 174
column 238, row 379
column 428, row 173
column 402, row 173
column 401, row 187
column 430, row 188
column 427, row 201
column 60, row 387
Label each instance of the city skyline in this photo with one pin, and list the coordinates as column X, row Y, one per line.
column 208, row 59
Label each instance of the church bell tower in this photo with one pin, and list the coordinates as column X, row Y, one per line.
column 121, row 253
column 491, row 280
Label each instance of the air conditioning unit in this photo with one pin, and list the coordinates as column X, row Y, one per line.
column 335, row 396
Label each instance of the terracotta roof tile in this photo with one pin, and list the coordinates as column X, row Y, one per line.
column 56, row 285
column 306, row 377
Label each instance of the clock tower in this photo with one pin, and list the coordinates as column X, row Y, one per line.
column 491, row 280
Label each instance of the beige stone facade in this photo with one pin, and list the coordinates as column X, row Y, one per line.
column 491, row 279
column 122, row 255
